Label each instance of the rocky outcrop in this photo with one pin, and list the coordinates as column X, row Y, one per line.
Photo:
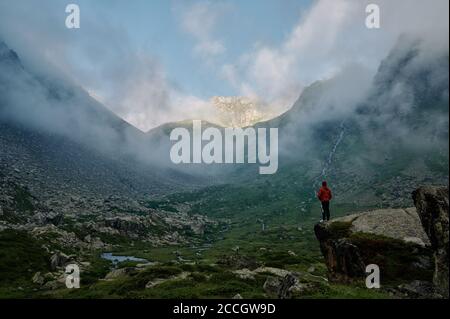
column 116, row 273
column 393, row 239
column 237, row 261
column 58, row 260
column 292, row 285
column 432, row 207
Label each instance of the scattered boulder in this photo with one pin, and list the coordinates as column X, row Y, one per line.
column 58, row 260
column 158, row 281
column 53, row 285
column 250, row 274
column 393, row 239
column 154, row 283
column 237, row 261
column 284, row 290
column 237, row 296
column 272, row 285
column 113, row 274
column 291, row 253
column 244, row 274
column 417, row 289
column 432, row 206
column 292, row 285
column 38, row 279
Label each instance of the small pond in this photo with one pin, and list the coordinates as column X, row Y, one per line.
column 115, row 259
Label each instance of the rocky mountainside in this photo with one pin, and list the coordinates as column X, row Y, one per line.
column 375, row 148
column 59, row 142
column 75, row 178
column 238, row 111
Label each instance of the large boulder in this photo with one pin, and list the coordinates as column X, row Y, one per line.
column 58, row 260
column 432, row 207
column 393, row 239
column 291, row 285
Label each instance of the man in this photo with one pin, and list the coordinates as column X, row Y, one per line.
column 324, row 195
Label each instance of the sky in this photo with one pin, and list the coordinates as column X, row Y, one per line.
column 153, row 62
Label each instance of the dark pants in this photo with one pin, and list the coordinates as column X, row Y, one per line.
column 326, row 210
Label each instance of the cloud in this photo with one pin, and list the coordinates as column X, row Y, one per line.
column 329, row 37
column 101, row 58
column 133, row 83
column 200, row 20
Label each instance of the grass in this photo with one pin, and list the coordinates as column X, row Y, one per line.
column 22, row 198
column 287, row 241
column 21, row 256
column 396, row 259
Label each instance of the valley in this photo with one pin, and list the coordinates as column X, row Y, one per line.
column 79, row 183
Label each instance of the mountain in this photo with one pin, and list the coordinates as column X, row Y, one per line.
column 77, row 181
column 60, row 142
column 374, row 143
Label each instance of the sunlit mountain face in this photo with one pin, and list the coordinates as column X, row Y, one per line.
column 239, row 111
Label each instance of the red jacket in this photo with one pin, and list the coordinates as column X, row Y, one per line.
column 324, row 194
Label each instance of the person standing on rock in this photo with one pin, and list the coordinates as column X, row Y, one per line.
column 324, row 195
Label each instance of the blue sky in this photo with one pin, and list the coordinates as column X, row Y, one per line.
column 158, row 61
column 154, row 26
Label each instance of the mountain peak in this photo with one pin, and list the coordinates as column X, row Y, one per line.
column 8, row 56
column 238, row 111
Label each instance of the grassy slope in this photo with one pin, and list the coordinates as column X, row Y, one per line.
column 288, row 228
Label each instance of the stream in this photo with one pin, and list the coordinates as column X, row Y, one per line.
column 329, row 160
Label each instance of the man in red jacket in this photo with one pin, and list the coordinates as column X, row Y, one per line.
column 325, row 196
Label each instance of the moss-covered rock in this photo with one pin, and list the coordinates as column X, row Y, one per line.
column 393, row 239
column 432, row 207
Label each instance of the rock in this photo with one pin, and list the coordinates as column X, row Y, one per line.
column 237, row 261
column 250, row 274
column 58, row 260
column 418, row 290
column 132, row 226
column 38, row 279
column 292, row 285
column 284, row 290
column 158, row 281
column 49, row 276
column 120, row 272
column 244, row 274
column 53, row 285
column 272, row 285
column 300, row 289
column 97, row 243
column 272, row 270
column 384, row 237
column 237, row 296
column 432, row 207
column 85, row 264
column 198, row 227
column 154, row 283
column 291, row 253
column 147, row 264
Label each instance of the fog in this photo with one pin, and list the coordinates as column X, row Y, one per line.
column 341, row 80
